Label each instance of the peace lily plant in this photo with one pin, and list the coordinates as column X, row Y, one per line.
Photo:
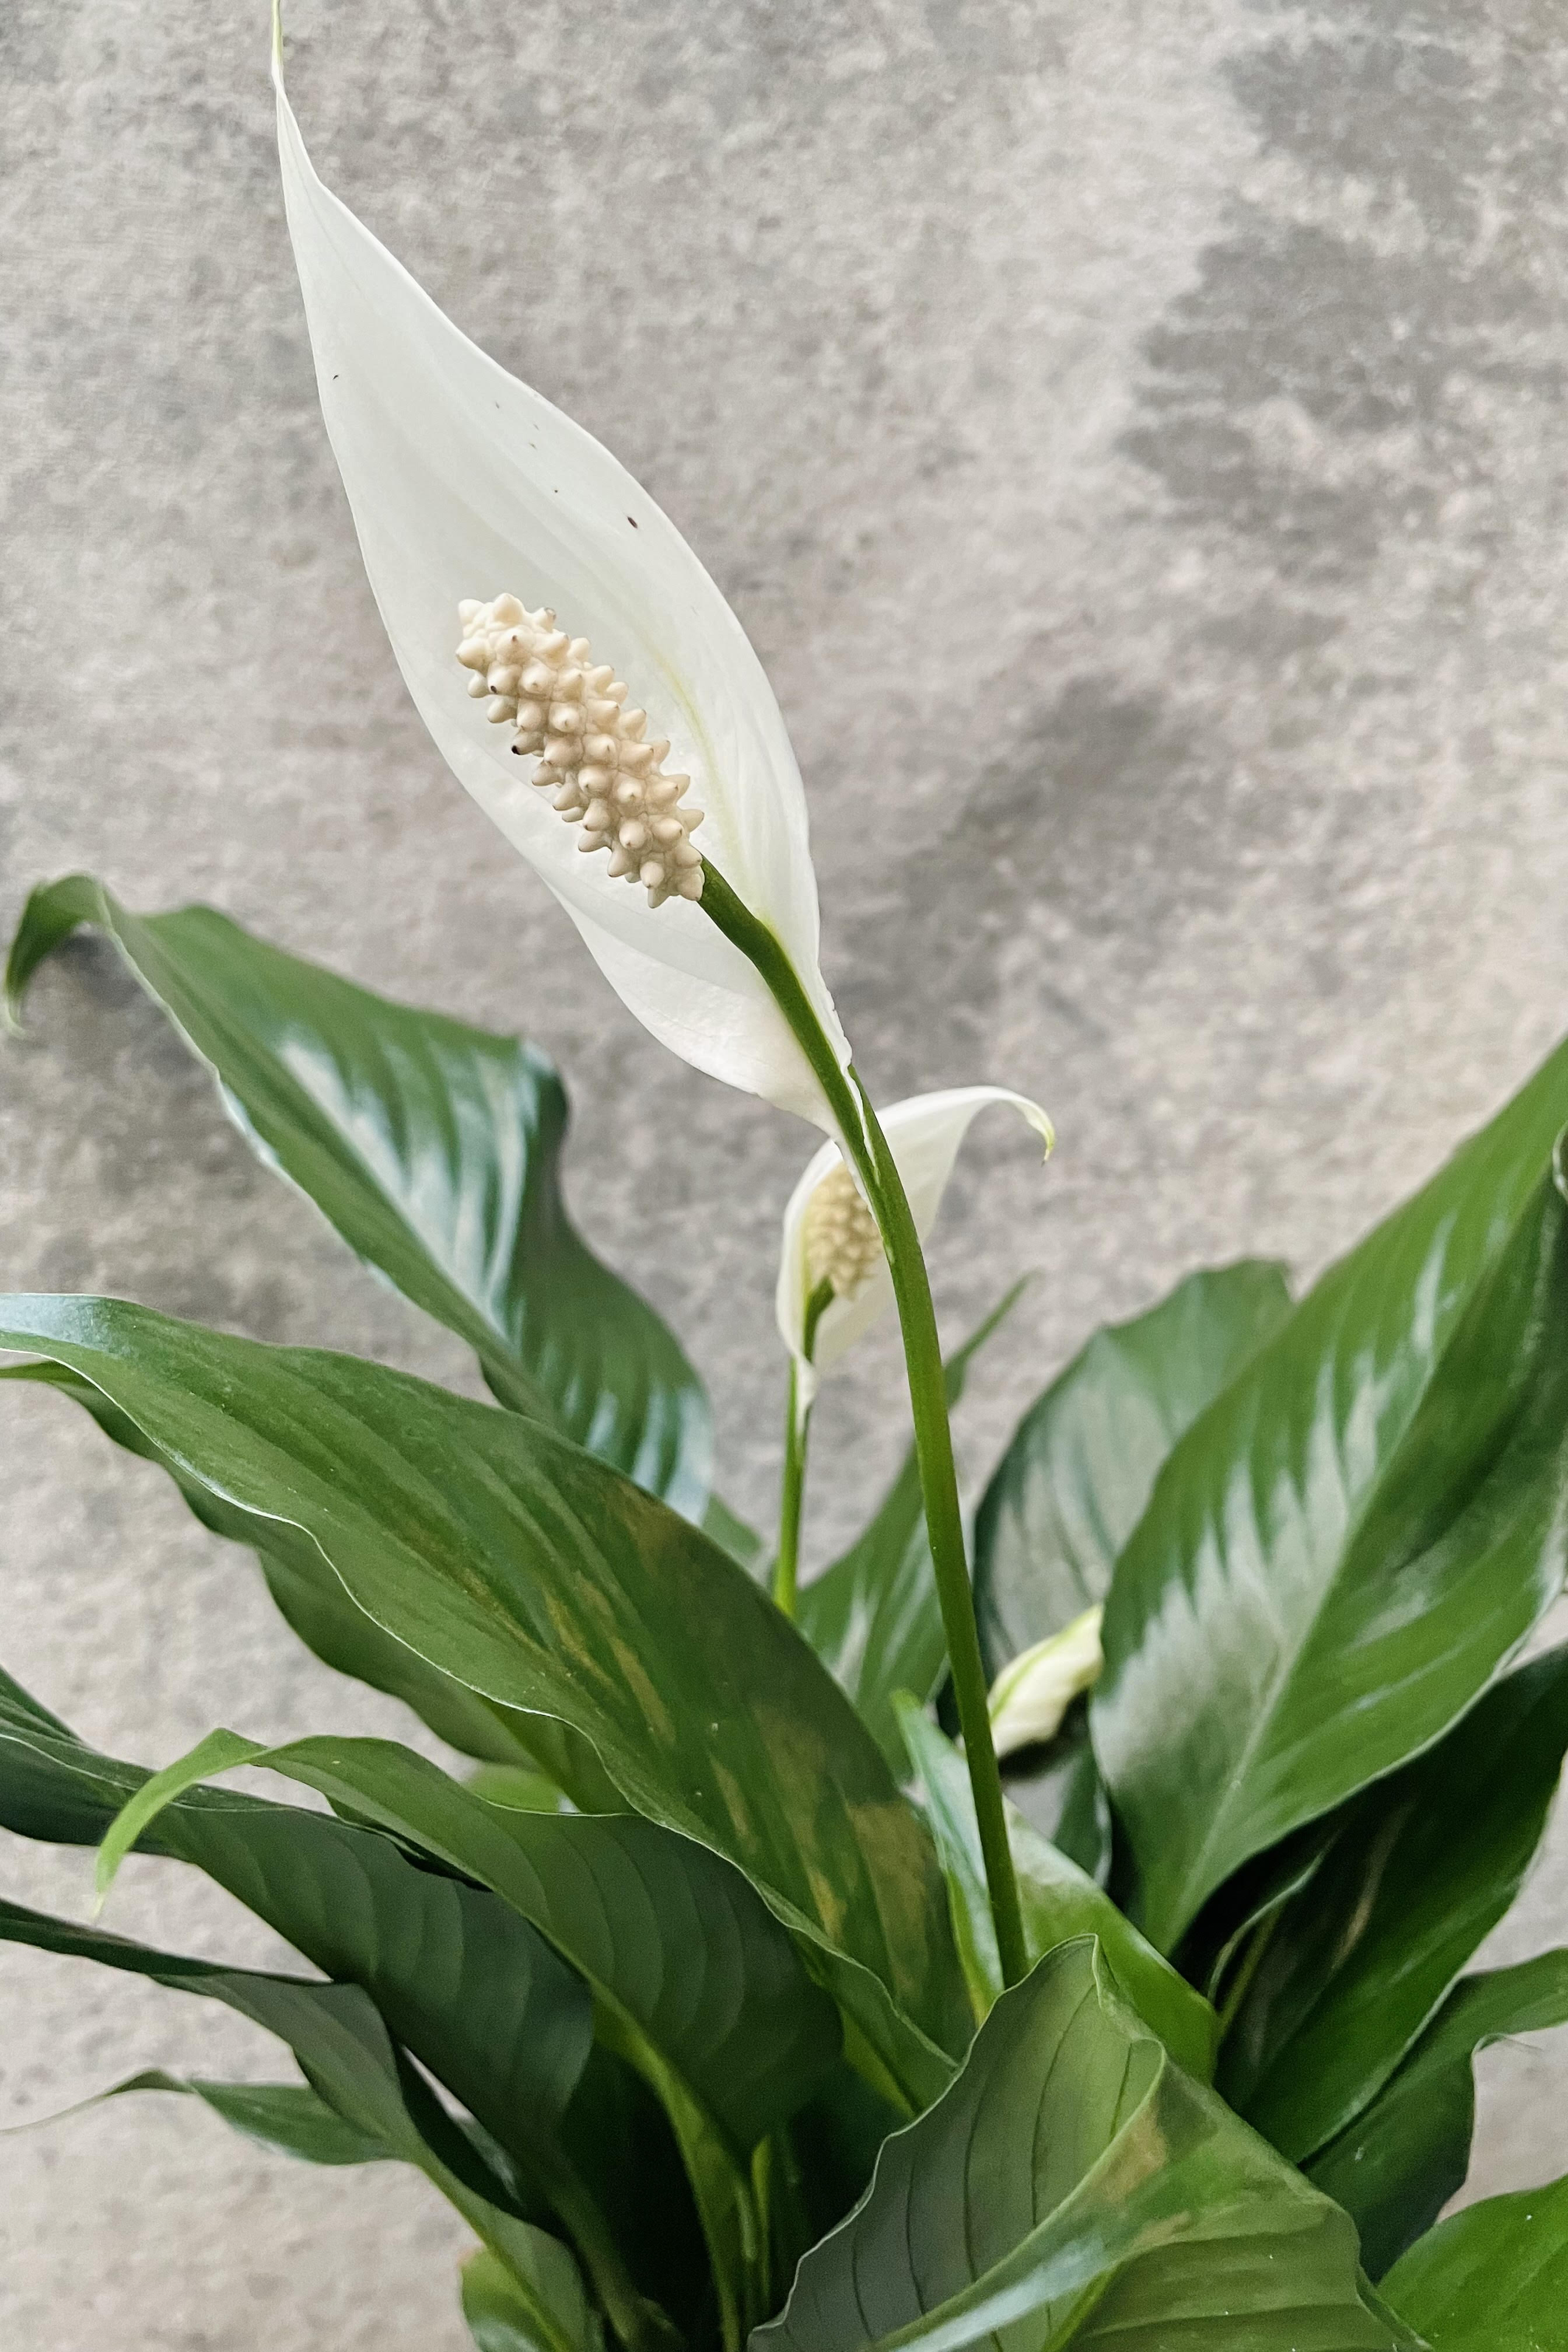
column 719, row 1982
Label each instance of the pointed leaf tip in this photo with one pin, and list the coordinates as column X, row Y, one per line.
column 218, row 1752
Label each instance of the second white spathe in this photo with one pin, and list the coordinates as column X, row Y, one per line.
column 925, row 1133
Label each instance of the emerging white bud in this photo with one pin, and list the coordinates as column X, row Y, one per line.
column 843, row 1246
column 1029, row 1697
column 593, row 757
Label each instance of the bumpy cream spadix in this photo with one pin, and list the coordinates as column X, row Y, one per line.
column 843, row 1246
column 830, row 1234
column 594, row 759
column 467, row 485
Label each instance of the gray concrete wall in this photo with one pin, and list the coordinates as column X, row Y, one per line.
column 1134, row 438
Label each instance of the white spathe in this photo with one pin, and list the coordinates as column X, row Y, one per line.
column 465, row 484
column 924, row 1135
column 1029, row 1697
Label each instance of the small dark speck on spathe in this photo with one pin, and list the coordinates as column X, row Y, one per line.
column 632, row 520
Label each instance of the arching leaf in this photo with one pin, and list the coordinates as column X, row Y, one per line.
column 1076, row 1474
column 517, row 1564
column 1421, row 1867
column 347, row 2056
column 1493, row 2278
column 1395, row 2168
column 434, row 1148
column 1073, row 2187
column 1349, row 1541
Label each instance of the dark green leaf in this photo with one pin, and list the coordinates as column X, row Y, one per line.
column 731, row 1533
column 499, row 2319
column 1345, row 1545
column 873, row 1618
column 1492, row 2279
column 286, row 2115
column 1406, row 2154
column 689, row 1971
column 1058, row 1900
column 318, row 1608
column 434, row 1149
column 520, row 1566
column 1422, row 1866
column 1060, row 1794
column 834, row 2141
column 1073, row 1482
column 346, row 2055
column 1074, row 2186
column 620, row 2138
column 1210, row 1953
column 474, row 1991
column 673, row 1941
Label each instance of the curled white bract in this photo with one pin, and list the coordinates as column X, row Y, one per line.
column 464, row 483
column 829, row 1231
column 1030, row 1696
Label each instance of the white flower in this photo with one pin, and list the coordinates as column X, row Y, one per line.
column 830, row 1236
column 467, row 487
column 1029, row 1697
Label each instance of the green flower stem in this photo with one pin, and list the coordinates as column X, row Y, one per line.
column 792, row 1494
column 797, row 1428
column 867, row 1147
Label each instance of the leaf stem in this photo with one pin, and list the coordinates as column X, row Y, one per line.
column 792, row 1491
column 867, row 1147
column 797, row 1427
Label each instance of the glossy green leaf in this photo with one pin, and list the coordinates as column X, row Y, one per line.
column 347, row 2056
column 482, row 1999
column 673, row 1941
column 478, row 1996
column 620, row 2136
column 1059, row 1901
column 1078, row 1472
column 288, row 2117
column 1350, row 1539
column 1060, row 1794
column 1406, row 2154
column 873, row 1618
column 499, row 2319
column 1422, row 1866
column 522, row 1566
column 691, row 1972
column 1492, row 2279
column 1211, row 1952
column 1073, row 2187
column 434, row 1149
column 833, row 2144
column 314, row 1603
column 731, row 1533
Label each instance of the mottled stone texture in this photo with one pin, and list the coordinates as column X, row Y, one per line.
column 1134, row 436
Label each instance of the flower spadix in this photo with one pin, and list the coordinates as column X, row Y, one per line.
column 483, row 512
column 831, row 1237
column 594, row 759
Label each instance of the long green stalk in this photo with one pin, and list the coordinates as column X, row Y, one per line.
column 867, row 1147
column 797, row 1431
column 792, row 1494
